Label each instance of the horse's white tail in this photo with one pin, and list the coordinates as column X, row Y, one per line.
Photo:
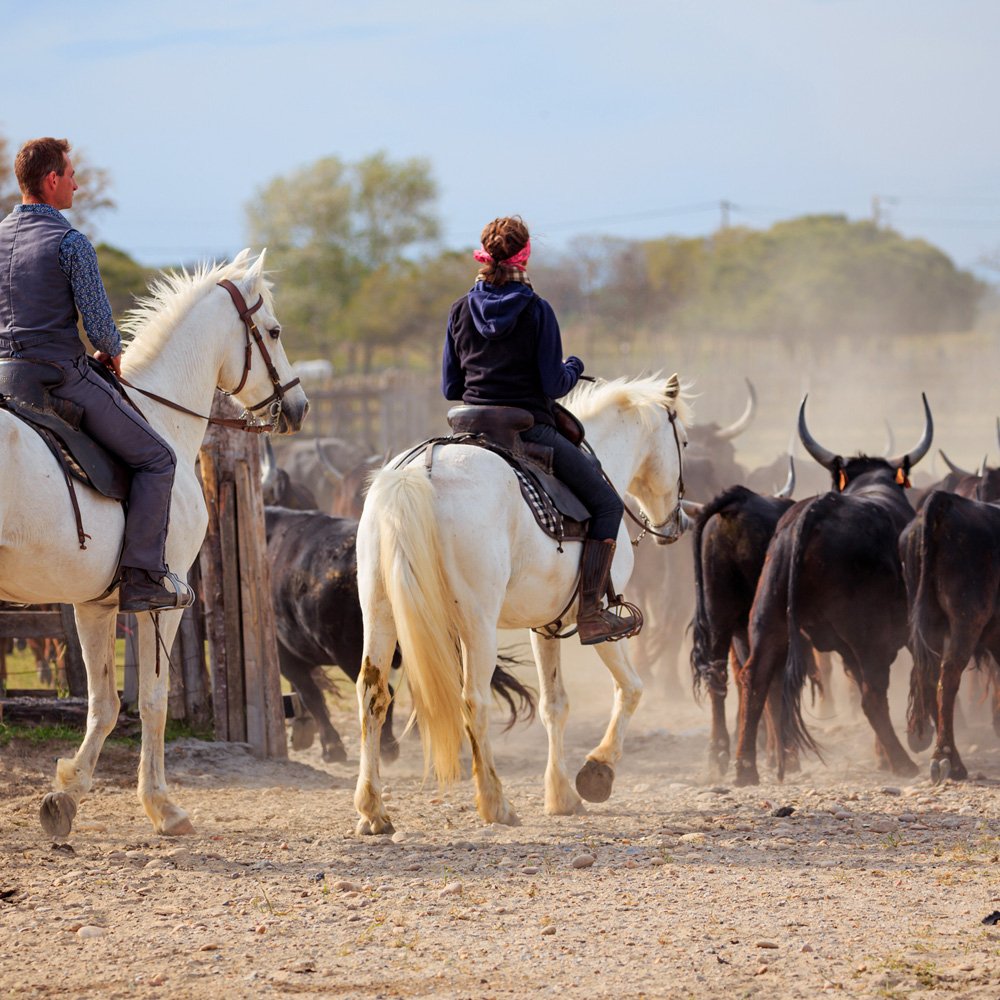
column 423, row 607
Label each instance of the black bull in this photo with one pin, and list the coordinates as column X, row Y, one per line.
column 314, row 588
column 833, row 572
column 951, row 555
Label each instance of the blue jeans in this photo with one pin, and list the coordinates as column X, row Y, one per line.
column 582, row 474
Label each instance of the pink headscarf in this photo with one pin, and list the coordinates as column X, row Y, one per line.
column 519, row 262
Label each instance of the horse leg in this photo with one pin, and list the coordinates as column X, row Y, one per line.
column 561, row 798
column 595, row 779
column 167, row 818
column 95, row 624
column 373, row 706
column 479, row 661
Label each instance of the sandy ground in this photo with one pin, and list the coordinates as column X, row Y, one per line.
column 872, row 887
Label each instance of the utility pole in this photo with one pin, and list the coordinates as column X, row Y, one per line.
column 724, row 208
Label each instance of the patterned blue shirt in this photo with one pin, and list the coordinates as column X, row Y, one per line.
column 78, row 261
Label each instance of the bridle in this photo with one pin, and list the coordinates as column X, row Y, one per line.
column 673, row 521
column 246, row 421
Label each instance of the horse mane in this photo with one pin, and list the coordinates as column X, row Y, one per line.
column 645, row 394
column 171, row 296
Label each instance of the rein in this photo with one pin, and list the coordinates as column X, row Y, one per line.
column 674, row 517
column 247, row 422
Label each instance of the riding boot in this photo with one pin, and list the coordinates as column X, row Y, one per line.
column 142, row 590
column 594, row 623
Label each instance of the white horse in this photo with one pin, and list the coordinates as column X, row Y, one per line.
column 446, row 558
column 188, row 338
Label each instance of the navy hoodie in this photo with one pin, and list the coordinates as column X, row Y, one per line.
column 503, row 348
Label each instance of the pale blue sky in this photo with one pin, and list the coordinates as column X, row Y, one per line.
column 634, row 119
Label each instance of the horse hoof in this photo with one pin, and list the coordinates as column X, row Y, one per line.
column 390, row 751
column 719, row 762
column 919, row 742
column 935, row 772
column 905, row 768
column 56, row 814
column 945, row 769
column 374, row 828
column 176, row 824
column 594, row 781
column 746, row 774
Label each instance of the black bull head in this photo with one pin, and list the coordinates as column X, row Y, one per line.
column 836, row 464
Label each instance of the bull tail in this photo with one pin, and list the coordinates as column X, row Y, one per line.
column 794, row 734
column 506, row 687
column 402, row 504
column 925, row 613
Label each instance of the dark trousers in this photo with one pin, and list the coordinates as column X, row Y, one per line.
column 114, row 425
column 582, row 474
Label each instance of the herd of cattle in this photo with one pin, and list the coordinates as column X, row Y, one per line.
column 772, row 586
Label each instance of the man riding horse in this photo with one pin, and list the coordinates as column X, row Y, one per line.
column 49, row 277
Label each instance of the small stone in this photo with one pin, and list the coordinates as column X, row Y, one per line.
column 882, row 826
column 761, row 969
column 530, row 870
column 807, row 948
column 91, row 931
column 693, row 838
column 583, row 861
column 890, row 790
column 260, row 929
column 451, row 889
column 765, row 944
column 343, row 885
column 399, row 837
column 210, row 946
column 548, row 930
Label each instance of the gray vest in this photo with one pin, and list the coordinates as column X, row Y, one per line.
column 37, row 313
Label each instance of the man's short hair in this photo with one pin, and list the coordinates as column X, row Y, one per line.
column 36, row 159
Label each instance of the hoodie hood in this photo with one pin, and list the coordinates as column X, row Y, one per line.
column 494, row 310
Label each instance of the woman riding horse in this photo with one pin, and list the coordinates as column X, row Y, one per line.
column 503, row 348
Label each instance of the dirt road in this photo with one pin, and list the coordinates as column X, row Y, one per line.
column 678, row 886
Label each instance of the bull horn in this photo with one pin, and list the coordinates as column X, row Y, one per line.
column 911, row 458
column 952, row 466
column 268, row 466
column 734, row 429
column 333, row 473
column 692, row 508
column 786, row 491
column 824, row 456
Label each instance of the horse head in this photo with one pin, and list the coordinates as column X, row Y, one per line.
column 255, row 369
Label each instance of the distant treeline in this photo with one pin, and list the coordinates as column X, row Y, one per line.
column 363, row 281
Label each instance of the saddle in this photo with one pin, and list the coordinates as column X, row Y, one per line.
column 24, row 391
column 556, row 508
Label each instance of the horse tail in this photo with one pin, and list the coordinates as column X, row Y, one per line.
column 423, row 608
column 925, row 613
column 793, row 728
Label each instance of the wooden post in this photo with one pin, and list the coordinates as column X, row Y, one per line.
column 246, row 681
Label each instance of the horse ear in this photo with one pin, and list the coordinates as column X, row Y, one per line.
column 673, row 388
column 256, row 269
column 242, row 257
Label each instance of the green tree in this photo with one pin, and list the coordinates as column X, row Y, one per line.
column 331, row 225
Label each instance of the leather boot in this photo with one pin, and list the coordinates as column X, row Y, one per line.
column 594, row 623
column 142, row 590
